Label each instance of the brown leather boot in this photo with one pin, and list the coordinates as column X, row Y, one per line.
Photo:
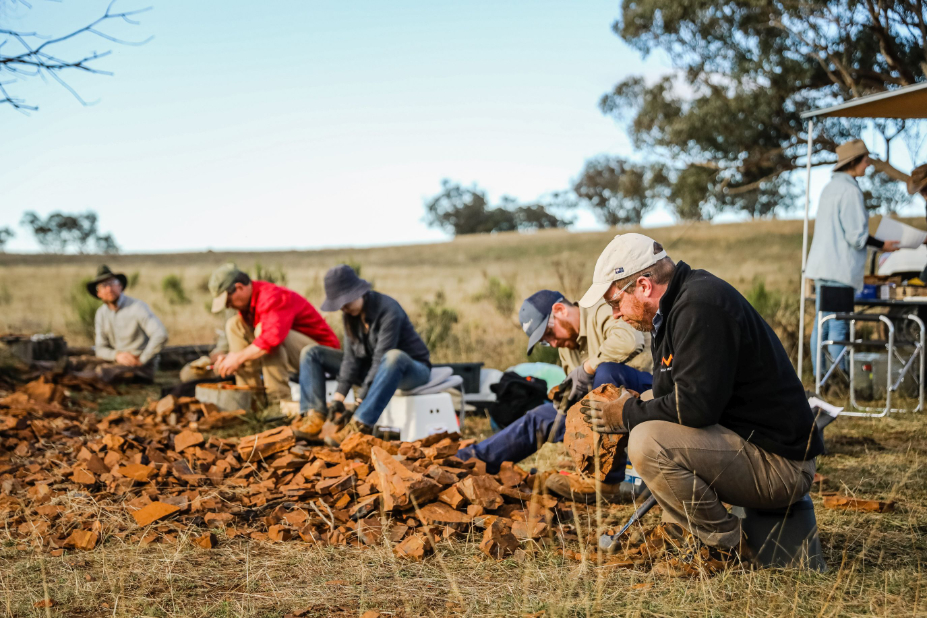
column 582, row 489
column 311, row 424
column 355, row 426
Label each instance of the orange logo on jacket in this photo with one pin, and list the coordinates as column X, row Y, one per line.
column 668, row 361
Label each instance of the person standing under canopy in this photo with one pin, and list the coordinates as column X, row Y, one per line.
column 841, row 236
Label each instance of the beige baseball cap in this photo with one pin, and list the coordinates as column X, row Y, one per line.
column 625, row 255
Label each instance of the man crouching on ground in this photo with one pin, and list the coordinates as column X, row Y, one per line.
column 595, row 348
column 729, row 421
column 272, row 327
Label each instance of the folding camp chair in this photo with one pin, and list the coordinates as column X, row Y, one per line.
column 840, row 300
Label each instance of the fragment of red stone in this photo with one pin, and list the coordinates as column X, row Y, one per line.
column 846, row 503
column 137, row 472
column 414, row 548
column 401, row 487
column 482, row 490
column 82, row 539
column 267, row 443
column 186, row 438
column 511, row 475
column 498, row 540
column 205, row 541
column 593, row 453
column 441, row 513
column 153, row 512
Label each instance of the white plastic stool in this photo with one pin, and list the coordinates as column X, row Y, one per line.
column 330, row 387
column 419, row 416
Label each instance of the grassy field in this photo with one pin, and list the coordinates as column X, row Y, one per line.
column 875, row 560
column 482, row 280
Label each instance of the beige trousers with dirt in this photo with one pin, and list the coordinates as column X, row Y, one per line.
column 276, row 365
column 692, row 471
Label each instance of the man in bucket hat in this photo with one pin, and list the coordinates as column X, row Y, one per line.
column 127, row 334
column 382, row 353
column 729, row 420
column 265, row 338
column 594, row 349
column 841, row 237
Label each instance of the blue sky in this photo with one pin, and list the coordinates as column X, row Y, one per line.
column 304, row 124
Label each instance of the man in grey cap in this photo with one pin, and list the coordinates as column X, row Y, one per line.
column 127, row 334
column 265, row 338
column 382, row 353
column 729, row 420
column 595, row 349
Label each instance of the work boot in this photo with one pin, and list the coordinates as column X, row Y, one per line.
column 311, row 424
column 355, row 426
column 582, row 489
column 705, row 560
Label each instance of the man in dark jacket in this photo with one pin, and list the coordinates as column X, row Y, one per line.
column 382, row 353
column 729, row 421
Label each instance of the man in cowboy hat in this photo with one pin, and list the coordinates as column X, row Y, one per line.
column 917, row 183
column 841, row 237
column 127, row 335
column 382, row 353
column 595, row 349
column 265, row 337
column 729, row 420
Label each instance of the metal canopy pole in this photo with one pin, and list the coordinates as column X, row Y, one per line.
column 804, row 258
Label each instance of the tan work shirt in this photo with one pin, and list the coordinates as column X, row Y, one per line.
column 603, row 339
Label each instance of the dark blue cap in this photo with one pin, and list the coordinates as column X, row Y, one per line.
column 535, row 313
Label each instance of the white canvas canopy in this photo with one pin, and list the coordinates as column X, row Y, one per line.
column 905, row 103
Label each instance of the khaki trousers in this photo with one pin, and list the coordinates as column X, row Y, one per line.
column 692, row 471
column 276, row 366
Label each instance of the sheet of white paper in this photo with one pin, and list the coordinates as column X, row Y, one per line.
column 827, row 408
column 909, row 237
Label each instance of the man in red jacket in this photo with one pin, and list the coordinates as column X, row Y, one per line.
column 272, row 327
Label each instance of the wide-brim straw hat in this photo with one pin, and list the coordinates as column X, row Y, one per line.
column 342, row 286
column 918, row 179
column 848, row 151
column 105, row 274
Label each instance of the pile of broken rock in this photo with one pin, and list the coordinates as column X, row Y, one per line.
column 72, row 480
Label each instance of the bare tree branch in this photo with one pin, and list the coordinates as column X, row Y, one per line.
column 39, row 60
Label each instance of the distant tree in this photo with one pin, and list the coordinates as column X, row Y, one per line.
column 25, row 56
column 618, row 191
column 6, row 233
column 461, row 210
column 63, row 232
column 725, row 126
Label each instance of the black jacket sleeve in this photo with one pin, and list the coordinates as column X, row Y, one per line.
column 388, row 330
column 706, row 343
column 349, row 374
column 872, row 241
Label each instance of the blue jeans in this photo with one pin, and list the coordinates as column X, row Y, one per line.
column 314, row 363
column 834, row 330
column 523, row 437
column 397, row 370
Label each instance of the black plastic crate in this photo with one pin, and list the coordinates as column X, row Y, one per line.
column 470, row 372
